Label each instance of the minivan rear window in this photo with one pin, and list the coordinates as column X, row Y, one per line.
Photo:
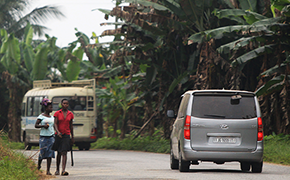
column 223, row 107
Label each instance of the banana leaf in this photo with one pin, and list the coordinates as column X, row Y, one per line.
column 240, row 61
column 151, row 73
column 275, row 84
column 227, row 48
column 277, row 69
column 28, row 34
column 73, row 67
column 218, row 33
column 248, row 5
column 226, row 13
column 29, row 57
column 286, row 11
column 11, row 50
column 174, row 7
column 148, row 3
column 40, row 64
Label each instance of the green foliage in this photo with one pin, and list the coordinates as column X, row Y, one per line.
column 155, row 143
column 277, row 149
column 15, row 166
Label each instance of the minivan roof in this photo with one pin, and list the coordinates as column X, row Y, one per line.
column 209, row 91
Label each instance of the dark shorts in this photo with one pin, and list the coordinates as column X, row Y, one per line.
column 45, row 145
column 62, row 144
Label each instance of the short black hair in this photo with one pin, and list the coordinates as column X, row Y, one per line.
column 64, row 100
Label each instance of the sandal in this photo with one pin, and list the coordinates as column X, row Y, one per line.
column 56, row 173
column 64, row 173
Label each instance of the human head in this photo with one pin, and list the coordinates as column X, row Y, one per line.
column 46, row 105
column 64, row 104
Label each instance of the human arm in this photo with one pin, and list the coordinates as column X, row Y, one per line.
column 37, row 124
column 56, row 127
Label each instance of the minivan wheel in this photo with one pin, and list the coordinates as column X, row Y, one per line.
column 245, row 166
column 173, row 162
column 183, row 165
column 257, row 167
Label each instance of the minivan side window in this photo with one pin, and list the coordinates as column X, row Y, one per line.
column 183, row 106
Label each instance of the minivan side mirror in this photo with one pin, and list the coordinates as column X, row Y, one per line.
column 171, row 114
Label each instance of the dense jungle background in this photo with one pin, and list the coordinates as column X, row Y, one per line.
column 161, row 49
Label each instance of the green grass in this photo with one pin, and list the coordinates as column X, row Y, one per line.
column 15, row 166
column 277, row 149
column 153, row 143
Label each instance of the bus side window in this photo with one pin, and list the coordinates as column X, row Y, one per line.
column 33, row 106
column 37, row 106
column 23, row 109
column 29, row 106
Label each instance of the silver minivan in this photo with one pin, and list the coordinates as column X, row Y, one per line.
column 218, row 126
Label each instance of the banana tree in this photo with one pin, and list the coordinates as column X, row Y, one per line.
column 155, row 34
column 119, row 100
column 256, row 44
column 22, row 64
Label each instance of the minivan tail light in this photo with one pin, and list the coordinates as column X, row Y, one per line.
column 260, row 129
column 187, row 127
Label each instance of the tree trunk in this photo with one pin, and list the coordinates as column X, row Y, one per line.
column 16, row 93
column 14, row 116
column 124, row 125
column 100, row 122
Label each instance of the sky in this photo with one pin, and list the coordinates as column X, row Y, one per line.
column 79, row 14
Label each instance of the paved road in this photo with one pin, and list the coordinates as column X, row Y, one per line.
column 111, row 165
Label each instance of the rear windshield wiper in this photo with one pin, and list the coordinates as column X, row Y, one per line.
column 215, row 115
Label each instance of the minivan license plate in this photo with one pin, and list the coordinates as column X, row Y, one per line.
column 224, row 140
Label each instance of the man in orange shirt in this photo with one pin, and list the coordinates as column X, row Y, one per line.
column 64, row 128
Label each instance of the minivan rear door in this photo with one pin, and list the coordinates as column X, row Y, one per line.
column 223, row 122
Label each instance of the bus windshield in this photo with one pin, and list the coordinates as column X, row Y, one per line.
column 76, row 103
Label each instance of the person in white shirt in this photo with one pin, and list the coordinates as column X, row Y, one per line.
column 46, row 139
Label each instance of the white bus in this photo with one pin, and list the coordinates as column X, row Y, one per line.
column 82, row 103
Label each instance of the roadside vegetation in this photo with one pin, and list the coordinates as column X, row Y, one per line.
column 277, row 149
column 155, row 143
column 15, row 165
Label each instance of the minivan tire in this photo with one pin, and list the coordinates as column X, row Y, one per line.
column 245, row 166
column 173, row 162
column 257, row 167
column 183, row 165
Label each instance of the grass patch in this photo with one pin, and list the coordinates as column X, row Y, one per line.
column 155, row 143
column 15, row 166
column 277, row 149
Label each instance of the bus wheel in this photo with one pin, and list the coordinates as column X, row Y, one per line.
column 87, row 146
column 27, row 145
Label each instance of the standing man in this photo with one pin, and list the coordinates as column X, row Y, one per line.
column 64, row 128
